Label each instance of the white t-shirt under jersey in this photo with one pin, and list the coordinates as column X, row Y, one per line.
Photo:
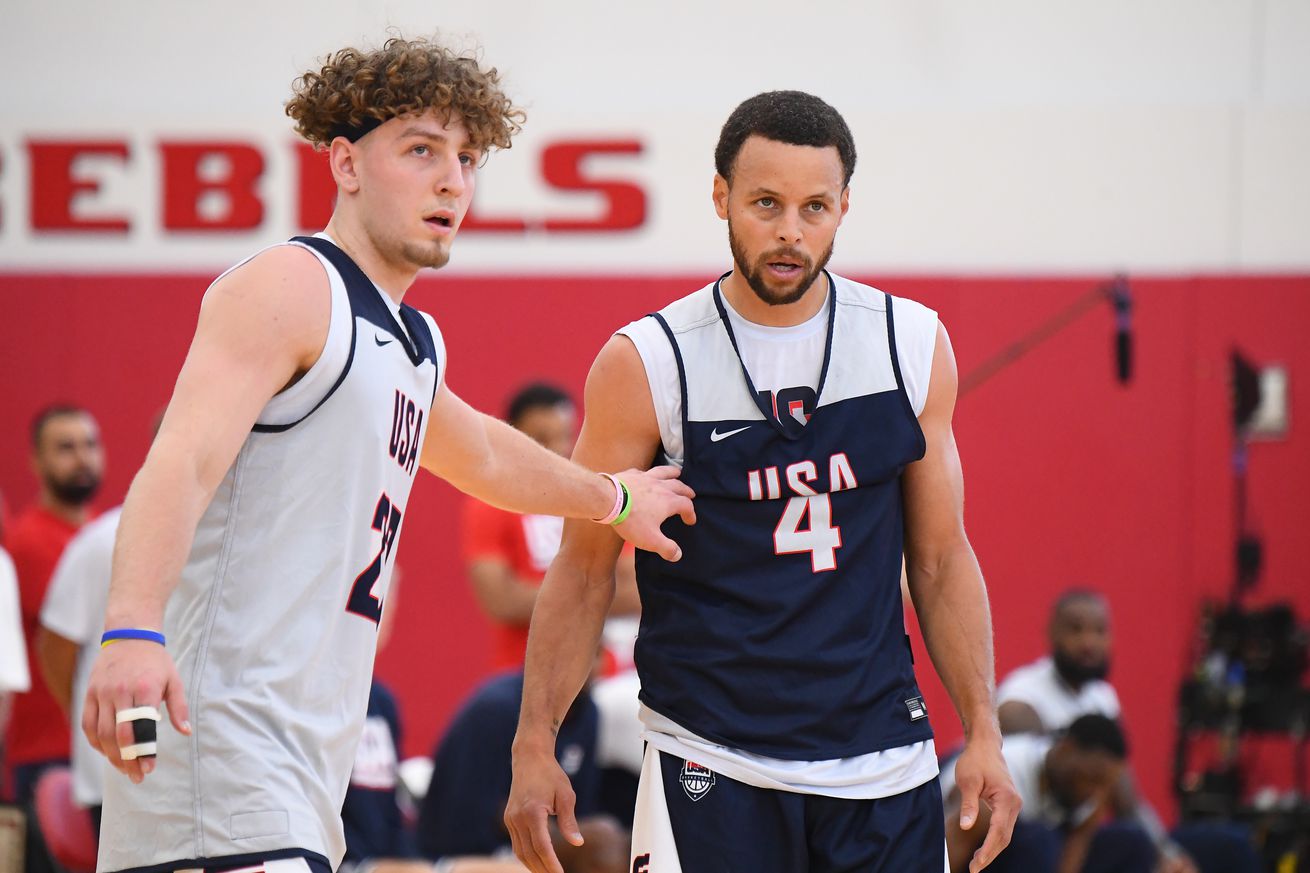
column 779, row 358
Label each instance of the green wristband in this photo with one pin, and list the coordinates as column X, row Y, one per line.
column 627, row 505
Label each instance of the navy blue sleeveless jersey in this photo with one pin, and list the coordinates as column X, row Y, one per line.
column 781, row 630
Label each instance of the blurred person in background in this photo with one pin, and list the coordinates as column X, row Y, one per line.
column 69, row 461
column 374, row 822
column 1046, row 696
column 1067, row 785
column 506, row 554
column 14, row 675
column 462, row 813
column 72, row 620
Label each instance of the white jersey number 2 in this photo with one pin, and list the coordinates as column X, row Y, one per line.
column 806, row 526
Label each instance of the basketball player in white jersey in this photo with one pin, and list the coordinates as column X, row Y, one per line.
column 784, row 729
column 257, row 541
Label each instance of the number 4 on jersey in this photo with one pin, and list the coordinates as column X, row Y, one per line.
column 363, row 601
column 819, row 537
column 806, row 523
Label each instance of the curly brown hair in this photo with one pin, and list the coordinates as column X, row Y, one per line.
column 358, row 89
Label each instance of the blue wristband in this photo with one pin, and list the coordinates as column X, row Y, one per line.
column 131, row 633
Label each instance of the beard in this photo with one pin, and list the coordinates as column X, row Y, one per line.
column 432, row 254
column 1078, row 674
column 754, row 274
column 76, row 490
column 393, row 249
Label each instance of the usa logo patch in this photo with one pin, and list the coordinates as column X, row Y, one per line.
column 696, row 780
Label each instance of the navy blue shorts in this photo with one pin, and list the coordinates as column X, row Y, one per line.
column 690, row 820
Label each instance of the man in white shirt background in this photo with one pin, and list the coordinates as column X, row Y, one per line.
column 14, row 676
column 1045, row 697
column 72, row 620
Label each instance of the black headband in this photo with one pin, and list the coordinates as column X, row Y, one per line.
column 353, row 132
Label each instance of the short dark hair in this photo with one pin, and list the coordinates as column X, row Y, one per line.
column 1097, row 733
column 1072, row 596
column 791, row 117
column 48, row 413
column 535, row 395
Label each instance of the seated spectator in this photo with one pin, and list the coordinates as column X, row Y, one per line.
column 378, row 836
column 1066, row 785
column 463, row 811
column 374, row 824
column 1048, row 695
column 507, row 554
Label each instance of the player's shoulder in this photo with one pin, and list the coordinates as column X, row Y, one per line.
column 289, row 260
column 905, row 309
column 282, row 275
column 279, row 298
column 689, row 312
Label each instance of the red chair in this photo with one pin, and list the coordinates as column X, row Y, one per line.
column 67, row 828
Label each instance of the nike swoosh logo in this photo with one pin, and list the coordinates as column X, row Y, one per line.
column 715, row 436
column 381, row 342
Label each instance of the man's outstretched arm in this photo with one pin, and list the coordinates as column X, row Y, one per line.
column 620, row 431
column 497, row 464
column 946, row 585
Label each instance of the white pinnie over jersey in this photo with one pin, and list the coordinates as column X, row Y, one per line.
column 274, row 624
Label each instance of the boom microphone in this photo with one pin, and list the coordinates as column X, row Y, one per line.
column 1122, row 298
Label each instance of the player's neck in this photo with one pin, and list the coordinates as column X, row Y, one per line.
column 393, row 279
column 73, row 515
column 749, row 306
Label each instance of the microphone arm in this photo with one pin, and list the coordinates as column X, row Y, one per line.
column 1117, row 291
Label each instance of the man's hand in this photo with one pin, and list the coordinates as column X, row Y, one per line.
column 540, row 789
column 127, row 674
column 981, row 774
column 656, row 495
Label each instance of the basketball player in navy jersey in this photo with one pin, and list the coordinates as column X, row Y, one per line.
column 257, row 542
column 784, row 727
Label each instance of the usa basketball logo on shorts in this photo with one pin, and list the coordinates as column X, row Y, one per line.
column 696, row 780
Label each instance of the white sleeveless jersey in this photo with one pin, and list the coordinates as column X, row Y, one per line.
column 786, row 365
column 274, row 624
